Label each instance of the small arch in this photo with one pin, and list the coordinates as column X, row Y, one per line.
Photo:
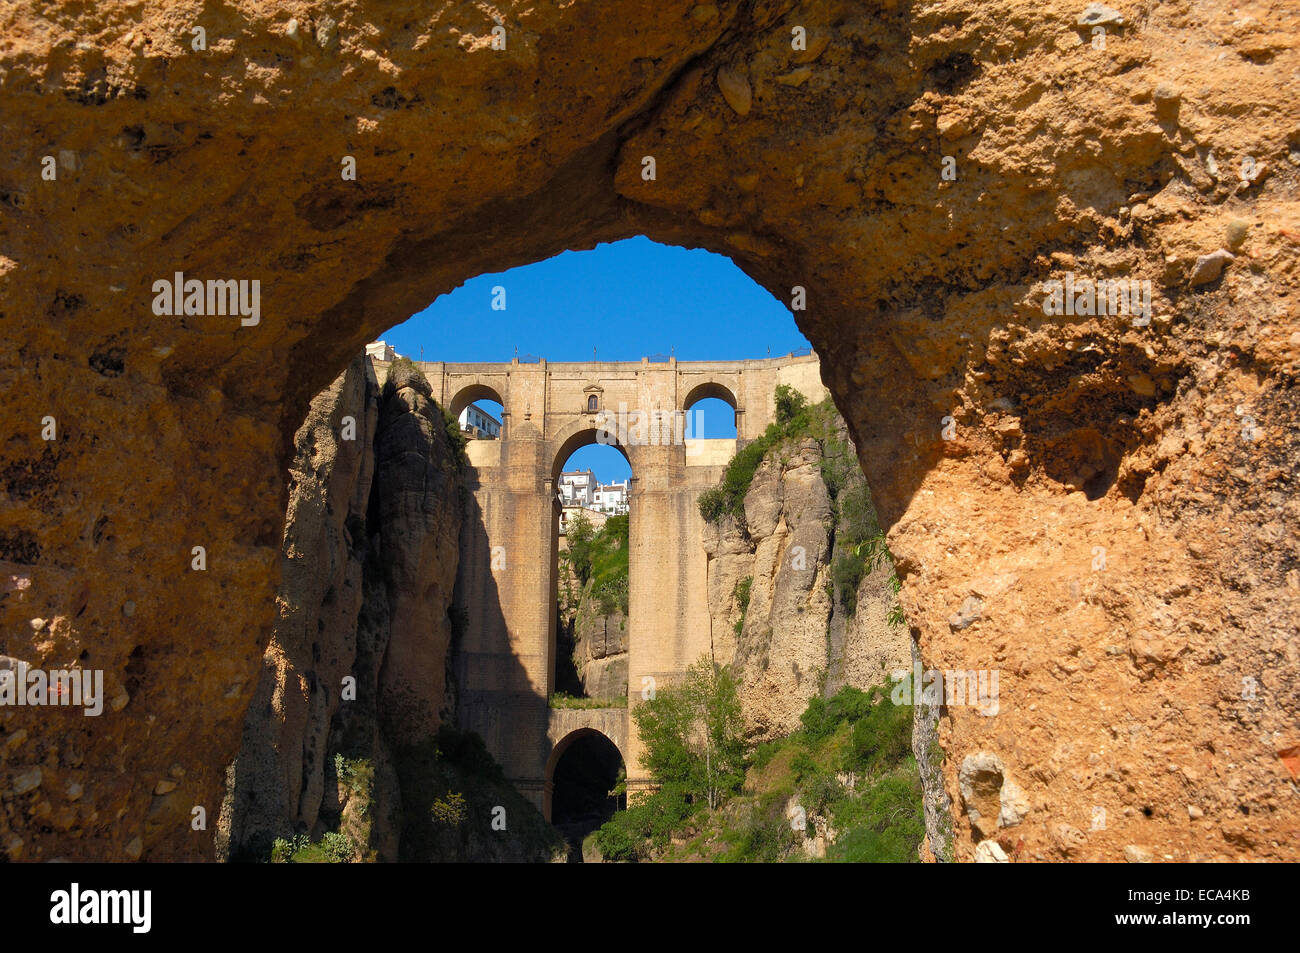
column 716, row 398
column 582, row 770
column 710, row 389
column 472, row 392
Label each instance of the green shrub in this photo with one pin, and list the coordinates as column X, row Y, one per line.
column 456, row 437
column 284, row 849
column 601, row 558
column 647, row 824
column 847, row 573
column 762, row 835
column 337, row 846
column 449, row 810
column 565, row 700
column 885, row 825
column 789, row 403
column 794, row 420
column 741, row 595
column 713, row 504
column 357, row 778
column 333, row 848
column 578, row 536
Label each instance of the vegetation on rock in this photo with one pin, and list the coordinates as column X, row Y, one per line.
column 741, row 595
column 860, row 542
column 565, row 700
column 599, row 557
column 793, row 419
column 694, row 750
column 844, row 787
column 453, row 792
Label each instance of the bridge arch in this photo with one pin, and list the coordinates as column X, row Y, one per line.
column 469, row 393
column 577, row 788
column 583, row 433
column 708, row 389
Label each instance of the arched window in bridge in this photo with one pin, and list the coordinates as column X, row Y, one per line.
column 591, row 404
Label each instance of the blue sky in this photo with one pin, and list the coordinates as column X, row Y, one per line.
column 626, row 300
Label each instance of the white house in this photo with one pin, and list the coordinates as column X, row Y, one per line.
column 577, row 487
column 380, row 351
column 479, row 422
column 611, row 498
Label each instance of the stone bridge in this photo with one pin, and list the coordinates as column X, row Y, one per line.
column 508, row 579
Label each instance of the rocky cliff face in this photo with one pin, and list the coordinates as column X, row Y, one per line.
column 919, row 169
column 356, row 665
column 778, row 618
column 600, row 650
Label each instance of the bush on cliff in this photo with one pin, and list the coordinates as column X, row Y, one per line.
column 599, row 557
column 848, row 769
column 794, row 418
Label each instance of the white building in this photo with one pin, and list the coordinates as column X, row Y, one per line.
column 577, row 488
column 474, row 419
column 611, row 498
column 581, row 488
column 380, row 351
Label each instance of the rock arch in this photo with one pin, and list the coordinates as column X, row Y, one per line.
column 568, row 726
column 821, row 171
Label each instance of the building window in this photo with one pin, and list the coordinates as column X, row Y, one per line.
column 591, row 402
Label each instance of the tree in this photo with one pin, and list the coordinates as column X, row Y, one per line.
column 579, row 537
column 789, row 403
column 693, row 735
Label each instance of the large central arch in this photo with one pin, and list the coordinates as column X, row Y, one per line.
column 584, row 433
column 870, row 178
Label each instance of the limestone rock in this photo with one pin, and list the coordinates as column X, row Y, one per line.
column 735, row 90
column 1137, row 855
column 990, row 852
column 1098, row 14
column 510, row 160
column 24, row 781
column 368, row 571
column 791, row 630
column 991, row 798
column 971, row 611
column 1013, row 804
column 1238, row 230
column 1209, row 267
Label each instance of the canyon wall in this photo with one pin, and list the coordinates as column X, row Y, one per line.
column 591, row 631
column 779, row 619
column 918, row 170
column 600, row 650
column 357, row 662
